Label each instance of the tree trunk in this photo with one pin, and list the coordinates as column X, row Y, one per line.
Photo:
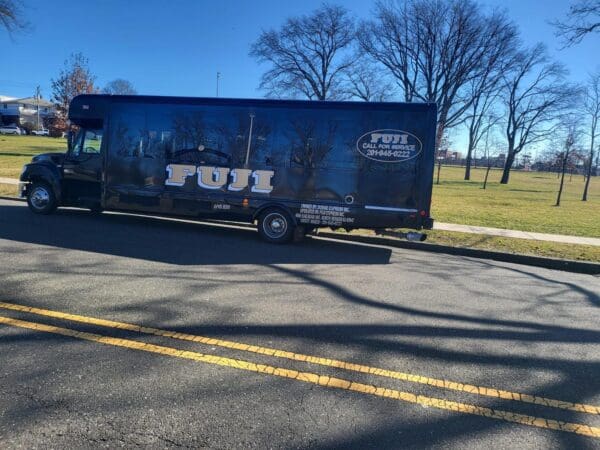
column 562, row 179
column 439, row 135
column 468, row 166
column 487, row 172
column 587, row 180
column 510, row 159
column 469, row 158
column 589, row 169
column 438, row 172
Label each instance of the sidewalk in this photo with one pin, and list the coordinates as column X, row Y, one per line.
column 516, row 234
column 477, row 230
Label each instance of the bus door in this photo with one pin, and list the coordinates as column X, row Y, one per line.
column 135, row 168
column 82, row 167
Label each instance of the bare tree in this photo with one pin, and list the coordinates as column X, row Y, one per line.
column 11, row 15
column 441, row 153
column 308, row 54
column 535, row 97
column 479, row 126
column 479, row 121
column 550, row 160
column 591, row 110
column 583, row 18
column 366, row 81
column 119, row 86
column 488, row 151
column 484, row 90
column 571, row 132
column 434, row 49
column 75, row 78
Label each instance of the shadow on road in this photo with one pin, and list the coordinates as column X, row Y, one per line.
column 172, row 242
column 410, row 331
column 398, row 342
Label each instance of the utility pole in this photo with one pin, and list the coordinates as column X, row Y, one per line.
column 218, row 77
column 249, row 140
column 37, row 100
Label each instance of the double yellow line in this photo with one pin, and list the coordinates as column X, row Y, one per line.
column 313, row 378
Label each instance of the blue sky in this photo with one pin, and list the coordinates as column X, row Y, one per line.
column 176, row 47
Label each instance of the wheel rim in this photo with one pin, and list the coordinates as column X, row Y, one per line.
column 275, row 225
column 40, row 197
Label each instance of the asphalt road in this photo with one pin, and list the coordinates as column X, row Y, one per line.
column 69, row 381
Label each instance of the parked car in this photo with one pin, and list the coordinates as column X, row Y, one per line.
column 10, row 129
column 42, row 132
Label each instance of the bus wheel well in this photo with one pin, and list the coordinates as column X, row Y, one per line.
column 266, row 206
column 37, row 178
column 40, row 178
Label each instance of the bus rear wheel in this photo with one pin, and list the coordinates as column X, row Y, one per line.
column 275, row 226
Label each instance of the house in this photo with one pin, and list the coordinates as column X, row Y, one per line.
column 29, row 112
column 449, row 155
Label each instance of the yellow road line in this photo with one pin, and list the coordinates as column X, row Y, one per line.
column 436, row 382
column 313, row 378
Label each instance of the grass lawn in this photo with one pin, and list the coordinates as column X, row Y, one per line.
column 522, row 246
column 8, row 190
column 510, row 245
column 526, row 203
column 15, row 151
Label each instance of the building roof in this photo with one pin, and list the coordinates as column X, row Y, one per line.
column 29, row 101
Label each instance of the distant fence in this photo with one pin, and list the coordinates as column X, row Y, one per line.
column 482, row 164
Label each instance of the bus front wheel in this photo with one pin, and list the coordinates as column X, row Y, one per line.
column 41, row 198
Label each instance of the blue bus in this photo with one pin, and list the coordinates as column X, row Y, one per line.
column 288, row 166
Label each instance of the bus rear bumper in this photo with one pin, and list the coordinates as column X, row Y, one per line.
column 428, row 223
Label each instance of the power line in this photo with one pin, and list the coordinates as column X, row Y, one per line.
column 12, row 83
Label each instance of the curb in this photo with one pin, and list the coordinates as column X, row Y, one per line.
column 566, row 265
column 14, row 199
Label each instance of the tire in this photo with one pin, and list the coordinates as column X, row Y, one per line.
column 41, row 198
column 275, row 226
column 309, row 230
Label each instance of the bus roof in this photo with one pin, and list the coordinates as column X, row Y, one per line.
column 93, row 106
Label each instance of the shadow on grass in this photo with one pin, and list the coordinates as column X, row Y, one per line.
column 28, row 154
column 531, row 190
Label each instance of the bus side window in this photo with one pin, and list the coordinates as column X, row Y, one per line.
column 263, row 141
column 310, row 135
column 128, row 133
column 191, row 139
column 155, row 144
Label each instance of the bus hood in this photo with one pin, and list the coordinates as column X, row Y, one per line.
column 55, row 158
